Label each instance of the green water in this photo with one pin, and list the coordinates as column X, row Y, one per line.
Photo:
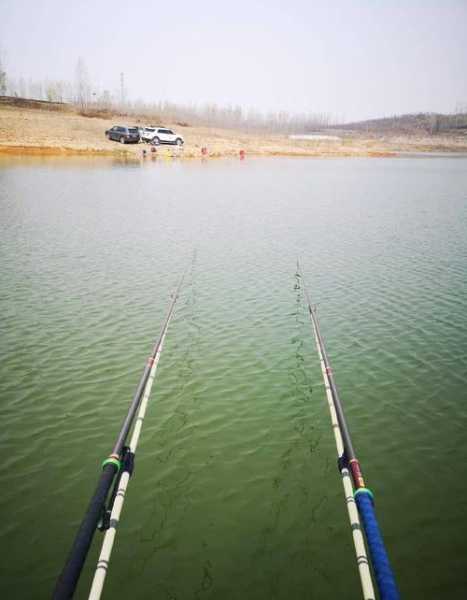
column 236, row 493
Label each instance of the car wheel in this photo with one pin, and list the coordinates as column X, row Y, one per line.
column 122, row 140
column 156, row 141
column 179, row 142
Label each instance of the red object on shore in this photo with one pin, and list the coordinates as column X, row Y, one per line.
column 242, row 154
column 153, row 149
column 204, row 150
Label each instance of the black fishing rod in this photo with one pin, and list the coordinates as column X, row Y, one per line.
column 68, row 579
column 363, row 496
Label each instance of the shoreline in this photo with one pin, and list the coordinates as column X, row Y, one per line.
column 168, row 152
column 7, row 150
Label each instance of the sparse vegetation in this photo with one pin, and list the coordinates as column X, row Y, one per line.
column 3, row 84
column 424, row 123
column 90, row 100
column 41, row 127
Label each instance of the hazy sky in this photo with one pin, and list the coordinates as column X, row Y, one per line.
column 353, row 59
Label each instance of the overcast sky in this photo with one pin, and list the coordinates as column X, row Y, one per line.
column 352, row 59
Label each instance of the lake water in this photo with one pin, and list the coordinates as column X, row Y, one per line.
column 236, row 492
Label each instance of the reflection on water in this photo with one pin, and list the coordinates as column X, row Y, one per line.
column 74, row 162
column 236, row 493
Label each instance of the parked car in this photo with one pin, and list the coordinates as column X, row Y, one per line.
column 160, row 135
column 148, row 133
column 140, row 130
column 123, row 134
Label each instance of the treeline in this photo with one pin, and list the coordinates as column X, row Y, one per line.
column 90, row 99
column 234, row 117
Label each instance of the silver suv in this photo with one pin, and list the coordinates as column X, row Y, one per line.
column 160, row 135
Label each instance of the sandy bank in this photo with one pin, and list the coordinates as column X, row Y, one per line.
column 45, row 132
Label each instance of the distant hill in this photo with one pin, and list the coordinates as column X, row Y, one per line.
column 430, row 123
column 32, row 103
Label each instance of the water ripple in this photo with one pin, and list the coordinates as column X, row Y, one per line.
column 236, row 492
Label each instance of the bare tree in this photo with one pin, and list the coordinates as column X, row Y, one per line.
column 434, row 123
column 105, row 100
column 51, row 92
column 22, row 88
column 83, row 88
column 3, row 81
column 36, row 90
column 122, row 90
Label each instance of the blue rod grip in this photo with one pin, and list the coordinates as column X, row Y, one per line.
column 379, row 558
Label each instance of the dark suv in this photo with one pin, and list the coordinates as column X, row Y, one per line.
column 123, row 134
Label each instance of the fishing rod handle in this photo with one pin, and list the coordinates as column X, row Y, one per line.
column 68, row 580
column 379, row 557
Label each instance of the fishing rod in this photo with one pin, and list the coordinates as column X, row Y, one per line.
column 121, row 485
column 362, row 495
column 363, row 564
column 120, row 460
